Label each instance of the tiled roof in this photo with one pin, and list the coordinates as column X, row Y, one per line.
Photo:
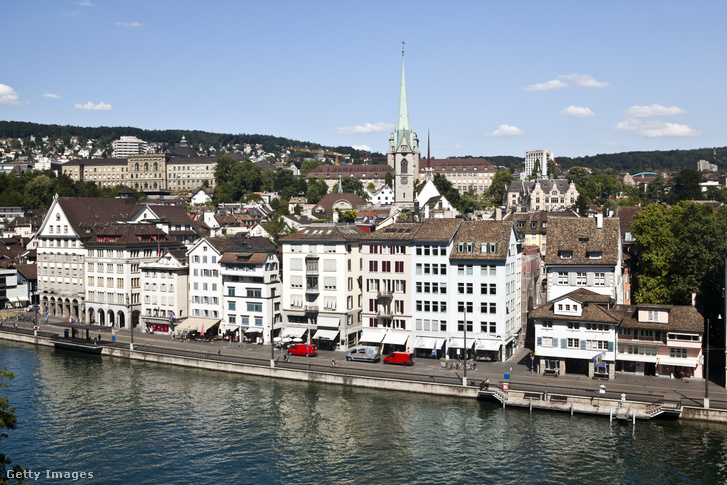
column 241, row 243
column 581, row 237
column 29, row 271
column 457, row 164
column 131, row 235
column 681, row 318
column 403, row 231
column 626, row 217
column 595, row 308
column 326, row 233
column 332, row 171
column 437, row 230
column 236, row 257
column 478, row 232
column 329, row 200
column 97, row 162
column 95, row 212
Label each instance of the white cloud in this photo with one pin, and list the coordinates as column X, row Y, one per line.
column 84, row 3
column 52, row 96
column 585, row 80
column 546, row 86
column 577, row 111
column 566, row 80
column 364, row 129
column 8, row 95
column 653, row 110
column 129, row 24
column 94, row 107
column 507, row 130
column 449, row 147
column 655, row 129
column 364, row 148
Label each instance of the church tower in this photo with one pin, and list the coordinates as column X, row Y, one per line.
column 403, row 152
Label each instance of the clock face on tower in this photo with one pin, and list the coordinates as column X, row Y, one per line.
column 403, row 180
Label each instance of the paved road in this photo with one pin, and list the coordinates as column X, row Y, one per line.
column 517, row 366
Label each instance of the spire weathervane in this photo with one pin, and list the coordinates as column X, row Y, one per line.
column 402, row 48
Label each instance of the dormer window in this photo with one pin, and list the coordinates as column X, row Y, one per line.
column 594, row 254
column 565, row 254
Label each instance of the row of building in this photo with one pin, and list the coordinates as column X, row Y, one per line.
column 440, row 287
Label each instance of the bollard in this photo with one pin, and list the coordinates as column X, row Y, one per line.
column 531, row 405
column 610, row 415
column 571, row 408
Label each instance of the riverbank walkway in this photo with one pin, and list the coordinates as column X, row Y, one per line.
column 635, row 387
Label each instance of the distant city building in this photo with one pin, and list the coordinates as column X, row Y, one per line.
column 127, row 145
column 541, row 156
column 543, row 194
column 464, row 173
column 705, row 166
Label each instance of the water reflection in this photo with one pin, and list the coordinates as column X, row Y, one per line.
column 133, row 422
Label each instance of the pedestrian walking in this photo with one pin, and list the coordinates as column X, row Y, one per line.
column 333, row 362
column 219, row 351
column 487, row 383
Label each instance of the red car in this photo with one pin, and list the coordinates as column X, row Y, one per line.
column 303, row 349
column 402, row 358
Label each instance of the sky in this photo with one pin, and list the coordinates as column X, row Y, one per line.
column 483, row 78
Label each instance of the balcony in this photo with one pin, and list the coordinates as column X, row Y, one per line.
column 312, row 290
column 310, row 308
column 385, row 295
column 384, row 311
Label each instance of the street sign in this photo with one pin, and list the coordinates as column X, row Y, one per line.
column 602, row 389
column 507, row 377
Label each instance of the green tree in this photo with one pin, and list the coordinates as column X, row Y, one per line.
column 356, row 158
column 655, row 245
column 277, row 227
column 578, row 176
column 346, row 216
column 352, row 185
column 655, row 190
column 686, row 185
column 389, row 180
column 500, row 182
column 537, row 171
column 309, row 165
column 582, row 203
column 443, row 185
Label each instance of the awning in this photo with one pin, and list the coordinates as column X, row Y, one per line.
column 491, row 345
column 678, row 362
column 456, row 343
column 329, row 321
column 373, row 335
column 200, row 324
column 224, row 327
column 253, row 330
column 396, row 338
column 428, row 343
column 293, row 332
column 325, row 334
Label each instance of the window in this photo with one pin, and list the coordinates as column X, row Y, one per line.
column 678, row 353
column 255, row 307
column 574, row 343
column 230, row 291
column 574, row 325
column 231, row 305
column 581, row 279
column 562, row 278
column 600, row 279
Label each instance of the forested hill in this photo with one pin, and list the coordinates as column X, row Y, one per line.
column 660, row 161
column 631, row 162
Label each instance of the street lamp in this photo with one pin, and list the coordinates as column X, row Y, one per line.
column 464, row 379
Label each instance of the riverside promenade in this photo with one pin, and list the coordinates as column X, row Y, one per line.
column 426, row 376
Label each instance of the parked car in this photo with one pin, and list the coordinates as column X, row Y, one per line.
column 303, row 349
column 368, row 354
column 401, row 358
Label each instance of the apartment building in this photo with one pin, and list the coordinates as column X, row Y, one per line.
column 387, row 320
column 251, row 291
column 576, row 333
column 113, row 274
column 584, row 253
column 538, row 158
column 322, row 285
column 164, row 291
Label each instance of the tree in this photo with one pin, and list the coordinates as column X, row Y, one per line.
column 8, row 421
column 686, row 185
column 309, row 165
column 582, row 203
column 277, row 227
column 356, row 158
column 352, row 185
column 443, row 185
column 537, row 172
column 500, row 182
column 655, row 245
column 579, row 176
column 389, row 180
column 655, row 190
column 346, row 216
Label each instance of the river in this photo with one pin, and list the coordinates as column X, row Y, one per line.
column 133, row 422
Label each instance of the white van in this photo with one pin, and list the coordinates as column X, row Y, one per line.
column 368, row 354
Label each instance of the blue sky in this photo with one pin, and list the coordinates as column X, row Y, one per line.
column 484, row 78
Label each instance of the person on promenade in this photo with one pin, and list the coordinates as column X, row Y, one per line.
column 333, row 362
column 557, row 371
column 487, row 383
column 219, row 351
column 287, row 357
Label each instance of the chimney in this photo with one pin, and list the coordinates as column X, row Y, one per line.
column 599, row 221
column 498, row 214
column 694, row 299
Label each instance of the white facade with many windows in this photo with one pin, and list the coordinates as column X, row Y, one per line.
column 205, row 280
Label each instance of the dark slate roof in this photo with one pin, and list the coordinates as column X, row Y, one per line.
column 581, row 236
column 332, row 171
column 29, row 271
column 457, row 165
column 146, row 235
column 437, row 230
column 183, row 151
column 682, row 318
column 626, row 217
column 96, row 162
column 241, row 243
column 478, row 232
column 538, row 218
column 95, row 212
column 191, row 160
column 326, row 233
column 402, row 231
